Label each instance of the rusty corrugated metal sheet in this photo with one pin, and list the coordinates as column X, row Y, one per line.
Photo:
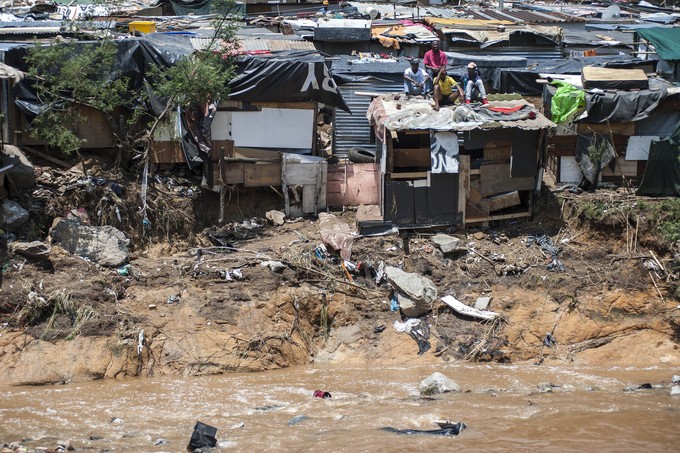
column 274, row 45
column 259, row 44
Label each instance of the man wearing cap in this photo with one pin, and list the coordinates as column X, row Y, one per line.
column 473, row 84
column 415, row 79
column 446, row 90
column 434, row 59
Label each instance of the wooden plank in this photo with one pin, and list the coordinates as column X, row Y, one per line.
column 412, row 157
column 366, row 212
column 217, row 146
column 167, row 152
column 503, row 201
column 475, row 196
column 308, row 198
column 463, row 183
column 497, row 153
column 262, row 174
column 286, row 105
column 409, row 175
column 627, row 128
column 495, row 178
column 301, row 174
column 371, row 94
column 490, row 218
column 622, row 167
column 255, row 153
column 47, row 157
column 233, row 173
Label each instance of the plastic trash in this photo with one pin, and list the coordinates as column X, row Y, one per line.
column 203, row 436
column 321, row 394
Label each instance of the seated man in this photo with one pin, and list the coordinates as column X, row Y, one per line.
column 473, row 85
column 446, row 90
column 415, row 79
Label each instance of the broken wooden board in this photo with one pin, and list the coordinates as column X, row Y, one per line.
column 466, row 310
column 504, row 200
column 627, row 128
column 495, row 178
column 262, row 174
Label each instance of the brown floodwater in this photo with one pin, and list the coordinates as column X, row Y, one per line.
column 500, row 404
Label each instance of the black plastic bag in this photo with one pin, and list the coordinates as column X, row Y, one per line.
column 203, row 436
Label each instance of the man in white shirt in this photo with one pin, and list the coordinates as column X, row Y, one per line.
column 415, row 79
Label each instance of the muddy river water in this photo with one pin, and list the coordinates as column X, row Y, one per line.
column 502, row 406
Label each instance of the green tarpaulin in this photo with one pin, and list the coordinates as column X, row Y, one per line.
column 665, row 40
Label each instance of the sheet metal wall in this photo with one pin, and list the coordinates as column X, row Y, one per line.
column 354, row 130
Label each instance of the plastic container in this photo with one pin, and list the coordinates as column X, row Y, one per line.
column 142, row 26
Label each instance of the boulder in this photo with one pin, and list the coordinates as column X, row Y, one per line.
column 103, row 245
column 277, row 218
column 415, row 292
column 12, row 215
column 23, row 173
column 35, row 249
column 448, row 244
column 437, row 383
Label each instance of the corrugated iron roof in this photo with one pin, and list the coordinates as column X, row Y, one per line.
column 274, row 45
column 249, row 44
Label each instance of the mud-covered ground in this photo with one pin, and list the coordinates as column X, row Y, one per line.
column 180, row 309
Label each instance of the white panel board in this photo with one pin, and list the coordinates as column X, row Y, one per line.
column 220, row 128
column 638, row 147
column 570, row 173
column 273, row 128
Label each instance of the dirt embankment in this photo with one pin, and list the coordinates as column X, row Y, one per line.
column 180, row 312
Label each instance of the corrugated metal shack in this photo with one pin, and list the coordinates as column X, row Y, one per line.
column 459, row 165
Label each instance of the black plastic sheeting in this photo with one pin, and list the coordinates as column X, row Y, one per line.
column 622, row 106
column 291, row 77
column 662, row 175
column 523, row 81
column 285, row 77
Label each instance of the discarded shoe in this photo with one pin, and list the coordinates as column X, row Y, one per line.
column 484, row 101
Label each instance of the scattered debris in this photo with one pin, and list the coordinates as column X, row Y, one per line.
column 466, row 310
column 448, row 429
column 415, row 293
column 547, row 246
column 482, row 303
column 275, row 266
column 297, row 420
column 448, row 244
column 34, row 249
column 203, row 436
column 12, row 215
column 418, row 330
column 321, row 394
column 337, row 234
column 277, row 218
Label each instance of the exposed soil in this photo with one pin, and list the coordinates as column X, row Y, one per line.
column 608, row 306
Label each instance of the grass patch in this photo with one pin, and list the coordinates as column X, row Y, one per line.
column 60, row 314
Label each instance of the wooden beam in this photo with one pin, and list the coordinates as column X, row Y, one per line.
column 517, row 215
column 409, row 175
column 47, row 157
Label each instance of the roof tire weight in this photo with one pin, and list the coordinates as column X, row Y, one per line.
column 361, row 155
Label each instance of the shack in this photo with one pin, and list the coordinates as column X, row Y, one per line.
column 623, row 113
column 457, row 166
